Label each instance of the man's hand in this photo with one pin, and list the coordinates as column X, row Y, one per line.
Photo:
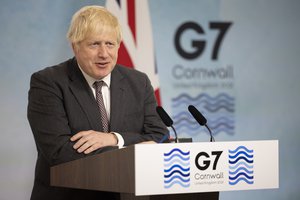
column 89, row 141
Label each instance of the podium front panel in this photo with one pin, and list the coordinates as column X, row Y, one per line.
column 205, row 167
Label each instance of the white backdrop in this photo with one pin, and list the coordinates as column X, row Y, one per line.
column 261, row 47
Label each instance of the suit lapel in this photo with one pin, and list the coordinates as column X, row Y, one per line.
column 83, row 94
column 117, row 99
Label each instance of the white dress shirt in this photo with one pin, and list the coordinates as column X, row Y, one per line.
column 106, row 98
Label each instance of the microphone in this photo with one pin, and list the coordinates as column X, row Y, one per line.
column 200, row 119
column 166, row 120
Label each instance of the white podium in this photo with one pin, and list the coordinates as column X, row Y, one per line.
column 162, row 171
column 206, row 167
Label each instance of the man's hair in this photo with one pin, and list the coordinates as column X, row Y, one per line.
column 90, row 20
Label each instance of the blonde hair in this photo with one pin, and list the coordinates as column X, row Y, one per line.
column 92, row 19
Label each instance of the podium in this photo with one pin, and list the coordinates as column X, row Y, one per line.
column 174, row 171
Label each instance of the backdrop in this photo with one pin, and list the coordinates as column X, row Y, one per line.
column 237, row 61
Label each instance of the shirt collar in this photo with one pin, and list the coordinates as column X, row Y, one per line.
column 91, row 80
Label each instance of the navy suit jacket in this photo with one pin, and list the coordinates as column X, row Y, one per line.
column 61, row 104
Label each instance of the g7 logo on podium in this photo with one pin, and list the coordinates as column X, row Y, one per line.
column 206, row 162
column 200, row 45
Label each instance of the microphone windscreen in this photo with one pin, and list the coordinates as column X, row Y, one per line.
column 164, row 116
column 197, row 115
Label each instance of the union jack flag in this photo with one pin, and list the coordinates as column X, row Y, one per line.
column 136, row 50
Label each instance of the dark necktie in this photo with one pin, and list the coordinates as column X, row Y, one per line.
column 99, row 98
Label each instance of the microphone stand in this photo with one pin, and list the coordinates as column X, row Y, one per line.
column 176, row 138
column 212, row 139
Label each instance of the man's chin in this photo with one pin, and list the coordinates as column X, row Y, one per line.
column 102, row 75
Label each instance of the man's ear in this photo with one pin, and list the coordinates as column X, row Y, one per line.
column 74, row 47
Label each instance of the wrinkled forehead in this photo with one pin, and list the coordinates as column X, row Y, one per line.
column 102, row 34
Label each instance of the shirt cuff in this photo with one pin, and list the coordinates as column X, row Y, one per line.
column 120, row 143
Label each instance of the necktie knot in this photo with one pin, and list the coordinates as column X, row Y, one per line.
column 98, row 85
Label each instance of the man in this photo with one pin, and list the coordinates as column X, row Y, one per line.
column 65, row 108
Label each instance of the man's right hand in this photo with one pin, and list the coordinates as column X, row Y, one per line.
column 89, row 141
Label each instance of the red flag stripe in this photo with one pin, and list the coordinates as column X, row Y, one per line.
column 131, row 17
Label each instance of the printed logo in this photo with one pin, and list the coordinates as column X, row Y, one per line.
column 206, row 73
column 241, row 165
column 219, row 110
column 176, row 168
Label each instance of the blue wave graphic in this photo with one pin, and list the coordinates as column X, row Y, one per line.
column 240, row 158
column 223, row 125
column 239, row 153
column 178, row 172
column 177, row 177
column 182, row 114
column 229, row 124
column 227, row 120
column 184, row 120
column 176, row 168
column 239, row 148
column 218, row 109
column 176, row 161
column 185, row 96
column 241, row 162
column 177, row 156
column 179, row 183
column 240, row 174
column 203, row 102
column 234, row 166
column 241, row 179
column 195, row 129
column 241, row 169
column 176, row 150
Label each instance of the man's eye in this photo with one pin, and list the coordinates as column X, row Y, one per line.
column 110, row 44
column 95, row 44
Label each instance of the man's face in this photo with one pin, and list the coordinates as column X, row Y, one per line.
column 97, row 54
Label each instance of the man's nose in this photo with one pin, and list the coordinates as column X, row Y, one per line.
column 102, row 51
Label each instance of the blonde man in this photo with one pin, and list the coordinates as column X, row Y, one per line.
column 64, row 111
